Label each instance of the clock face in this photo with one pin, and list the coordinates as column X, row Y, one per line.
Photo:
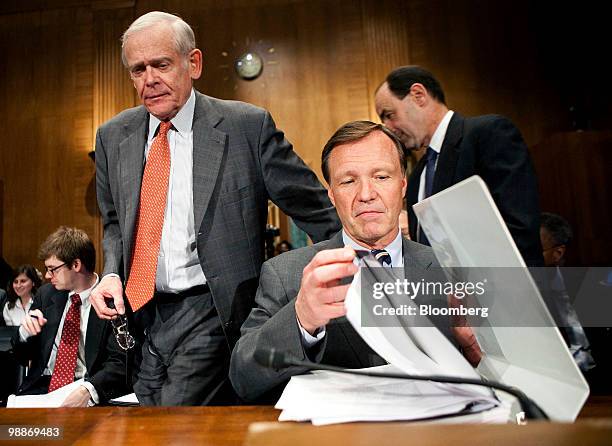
column 249, row 66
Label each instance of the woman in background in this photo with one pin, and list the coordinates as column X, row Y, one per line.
column 20, row 293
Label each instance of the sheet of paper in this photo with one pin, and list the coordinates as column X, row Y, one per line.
column 419, row 349
column 51, row 399
column 126, row 400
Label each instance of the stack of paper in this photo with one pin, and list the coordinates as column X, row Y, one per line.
column 328, row 397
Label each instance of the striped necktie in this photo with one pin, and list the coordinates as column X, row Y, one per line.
column 383, row 257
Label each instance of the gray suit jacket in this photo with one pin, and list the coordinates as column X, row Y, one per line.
column 273, row 323
column 240, row 160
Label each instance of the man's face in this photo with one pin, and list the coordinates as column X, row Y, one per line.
column 60, row 274
column 551, row 251
column 367, row 188
column 162, row 77
column 403, row 116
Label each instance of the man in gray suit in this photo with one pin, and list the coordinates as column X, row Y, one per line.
column 300, row 299
column 183, row 185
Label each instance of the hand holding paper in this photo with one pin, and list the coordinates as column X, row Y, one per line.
column 321, row 297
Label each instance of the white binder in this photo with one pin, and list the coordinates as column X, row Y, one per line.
column 465, row 229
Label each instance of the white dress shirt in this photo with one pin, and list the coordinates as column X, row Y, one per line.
column 13, row 317
column 178, row 265
column 397, row 261
column 436, row 144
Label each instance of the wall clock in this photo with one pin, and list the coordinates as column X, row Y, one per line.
column 249, row 65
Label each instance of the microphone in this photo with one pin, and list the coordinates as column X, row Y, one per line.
column 276, row 359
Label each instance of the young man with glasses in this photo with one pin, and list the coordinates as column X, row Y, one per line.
column 62, row 337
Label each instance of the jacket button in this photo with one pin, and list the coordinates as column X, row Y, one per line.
column 228, row 324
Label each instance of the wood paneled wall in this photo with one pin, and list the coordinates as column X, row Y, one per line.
column 46, row 108
column 61, row 76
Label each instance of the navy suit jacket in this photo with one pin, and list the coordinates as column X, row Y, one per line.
column 492, row 147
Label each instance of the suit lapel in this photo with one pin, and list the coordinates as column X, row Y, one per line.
column 449, row 153
column 131, row 156
column 53, row 314
column 209, row 150
column 414, row 265
column 95, row 327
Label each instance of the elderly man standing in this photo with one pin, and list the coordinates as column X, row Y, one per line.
column 300, row 299
column 411, row 102
column 183, row 184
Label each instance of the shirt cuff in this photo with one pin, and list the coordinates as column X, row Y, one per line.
column 23, row 334
column 309, row 340
column 92, row 392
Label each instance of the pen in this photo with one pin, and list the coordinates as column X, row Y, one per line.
column 34, row 316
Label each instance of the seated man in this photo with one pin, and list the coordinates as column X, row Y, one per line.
column 300, row 299
column 556, row 235
column 63, row 337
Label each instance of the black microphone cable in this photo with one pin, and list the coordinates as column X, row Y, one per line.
column 275, row 359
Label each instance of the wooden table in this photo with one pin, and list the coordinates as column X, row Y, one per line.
column 110, row 426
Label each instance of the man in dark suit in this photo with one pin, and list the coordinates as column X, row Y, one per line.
column 62, row 336
column 184, row 213
column 300, row 300
column 411, row 102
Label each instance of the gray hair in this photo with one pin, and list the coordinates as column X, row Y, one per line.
column 184, row 39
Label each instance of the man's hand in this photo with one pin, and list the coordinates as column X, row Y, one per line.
column 321, row 297
column 109, row 287
column 34, row 322
column 464, row 334
column 77, row 398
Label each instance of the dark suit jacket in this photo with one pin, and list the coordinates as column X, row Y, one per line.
column 104, row 360
column 240, row 160
column 492, row 147
column 273, row 323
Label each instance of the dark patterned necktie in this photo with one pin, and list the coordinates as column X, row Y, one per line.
column 432, row 156
column 382, row 256
column 65, row 361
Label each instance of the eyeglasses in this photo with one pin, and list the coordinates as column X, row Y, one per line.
column 120, row 329
column 52, row 270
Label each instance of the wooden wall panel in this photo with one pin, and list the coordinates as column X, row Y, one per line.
column 62, row 77
column 575, row 182
column 112, row 89
column 46, row 105
column 314, row 76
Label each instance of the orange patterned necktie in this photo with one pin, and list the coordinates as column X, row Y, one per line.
column 153, row 193
column 65, row 361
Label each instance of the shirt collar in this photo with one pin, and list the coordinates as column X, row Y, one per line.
column 438, row 137
column 394, row 248
column 84, row 295
column 182, row 122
